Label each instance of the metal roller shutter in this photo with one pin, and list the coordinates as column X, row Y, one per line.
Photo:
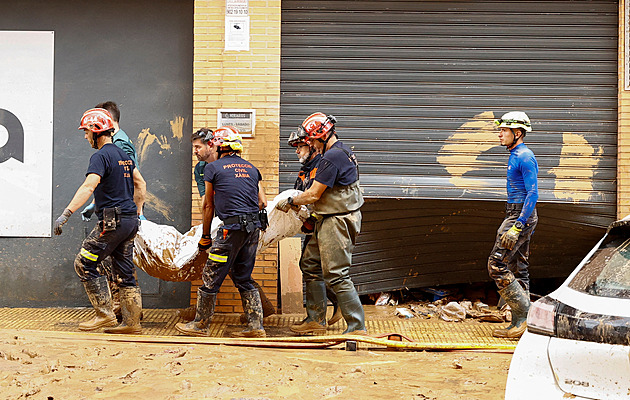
column 415, row 86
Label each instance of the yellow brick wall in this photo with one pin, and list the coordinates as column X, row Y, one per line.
column 240, row 79
column 623, row 138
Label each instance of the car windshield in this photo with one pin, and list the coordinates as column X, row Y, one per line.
column 607, row 272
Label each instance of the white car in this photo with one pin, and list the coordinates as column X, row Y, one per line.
column 577, row 343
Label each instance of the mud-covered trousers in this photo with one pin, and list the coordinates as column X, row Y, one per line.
column 327, row 258
column 504, row 266
column 117, row 243
column 233, row 250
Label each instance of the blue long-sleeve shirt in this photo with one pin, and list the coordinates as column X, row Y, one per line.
column 522, row 180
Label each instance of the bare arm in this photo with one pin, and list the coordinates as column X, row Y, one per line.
column 139, row 190
column 84, row 192
column 311, row 195
column 262, row 199
column 208, row 208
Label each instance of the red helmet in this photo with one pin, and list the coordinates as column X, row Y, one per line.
column 317, row 125
column 97, row 120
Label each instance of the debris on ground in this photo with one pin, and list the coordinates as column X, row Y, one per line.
column 444, row 308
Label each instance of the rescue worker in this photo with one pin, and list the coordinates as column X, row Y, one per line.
column 508, row 262
column 206, row 153
column 235, row 193
column 120, row 139
column 309, row 158
column 119, row 193
column 336, row 198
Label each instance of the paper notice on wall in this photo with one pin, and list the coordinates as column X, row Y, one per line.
column 26, row 133
column 237, row 33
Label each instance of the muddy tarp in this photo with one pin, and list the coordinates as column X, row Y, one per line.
column 163, row 252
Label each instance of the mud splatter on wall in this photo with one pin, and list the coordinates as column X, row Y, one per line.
column 460, row 152
column 147, row 142
column 576, row 167
column 177, row 127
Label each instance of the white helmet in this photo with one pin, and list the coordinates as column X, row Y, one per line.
column 514, row 119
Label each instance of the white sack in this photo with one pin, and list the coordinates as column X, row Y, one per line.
column 162, row 252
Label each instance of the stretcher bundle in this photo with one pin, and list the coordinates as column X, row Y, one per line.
column 163, row 252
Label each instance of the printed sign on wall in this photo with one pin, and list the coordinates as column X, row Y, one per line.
column 26, row 133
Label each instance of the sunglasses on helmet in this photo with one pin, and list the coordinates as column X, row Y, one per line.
column 511, row 122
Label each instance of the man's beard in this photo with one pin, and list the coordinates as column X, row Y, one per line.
column 304, row 160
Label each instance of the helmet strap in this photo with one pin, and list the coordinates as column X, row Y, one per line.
column 326, row 141
column 94, row 140
column 514, row 139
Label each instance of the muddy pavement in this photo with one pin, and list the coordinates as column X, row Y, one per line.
column 58, row 365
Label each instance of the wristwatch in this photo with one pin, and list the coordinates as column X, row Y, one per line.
column 518, row 225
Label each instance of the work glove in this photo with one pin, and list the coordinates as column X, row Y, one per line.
column 205, row 242
column 87, row 212
column 59, row 222
column 285, row 205
column 309, row 225
column 509, row 238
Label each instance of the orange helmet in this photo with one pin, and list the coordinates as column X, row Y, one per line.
column 317, row 126
column 97, row 120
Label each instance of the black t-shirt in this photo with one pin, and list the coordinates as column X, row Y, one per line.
column 307, row 173
column 235, row 185
column 116, row 187
column 336, row 168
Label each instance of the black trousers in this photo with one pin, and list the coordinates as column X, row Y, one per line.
column 117, row 243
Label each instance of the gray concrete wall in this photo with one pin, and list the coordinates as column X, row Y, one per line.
column 139, row 54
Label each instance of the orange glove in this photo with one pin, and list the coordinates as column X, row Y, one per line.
column 205, row 242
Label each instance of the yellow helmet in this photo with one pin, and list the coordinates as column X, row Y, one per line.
column 228, row 136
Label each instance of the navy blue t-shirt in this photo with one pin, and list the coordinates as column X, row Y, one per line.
column 336, row 168
column 116, row 187
column 307, row 173
column 235, row 184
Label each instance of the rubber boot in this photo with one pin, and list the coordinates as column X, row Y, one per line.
column 131, row 307
column 315, row 321
column 205, row 310
column 267, row 305
column 352, row 311
column 336, row 316
column 516, row 297
column 254, row 314
column 101, row 299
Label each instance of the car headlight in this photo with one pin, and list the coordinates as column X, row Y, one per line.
column 541, row 318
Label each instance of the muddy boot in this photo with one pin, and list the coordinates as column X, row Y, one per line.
column 100, row 297
column 315, row 321
column 131, row 306
column 336, row 316
column 267, row 305
column 254, row 313
column 205, row 310
column 352, row 310
column 516, row 297
column 187, row 314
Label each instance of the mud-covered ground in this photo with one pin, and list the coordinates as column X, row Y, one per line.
column 58, row 365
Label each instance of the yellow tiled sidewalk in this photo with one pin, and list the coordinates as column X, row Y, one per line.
column 428, row 333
